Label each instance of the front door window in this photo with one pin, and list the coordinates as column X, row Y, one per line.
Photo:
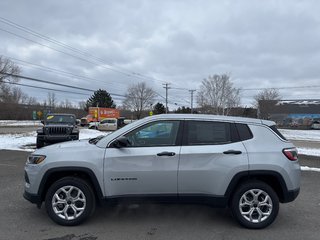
column 163, row 133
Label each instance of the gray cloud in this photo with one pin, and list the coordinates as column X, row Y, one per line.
column 262, row 44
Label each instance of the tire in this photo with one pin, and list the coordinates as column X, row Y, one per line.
column 70, row 201
column 40, row 143
column 247, row 208
column 77, row 138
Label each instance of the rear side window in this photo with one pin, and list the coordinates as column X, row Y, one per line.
column 208, row 133
column 274, row 128
column 244, row 131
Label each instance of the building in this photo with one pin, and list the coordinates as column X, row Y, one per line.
column 293, row 113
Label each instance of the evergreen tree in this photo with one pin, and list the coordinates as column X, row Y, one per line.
column 159, row 108
column 183, row 110
column 100, row 98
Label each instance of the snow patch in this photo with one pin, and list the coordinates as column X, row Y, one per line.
column 306, row 168
column 17, row 141
column 305, row 135
column 27, row 141
column 11, row 123
column 309, row 151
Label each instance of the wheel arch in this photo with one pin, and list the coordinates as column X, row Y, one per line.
column 272, row 178
column 54, row 174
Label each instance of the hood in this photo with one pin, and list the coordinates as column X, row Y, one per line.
column 72, row 145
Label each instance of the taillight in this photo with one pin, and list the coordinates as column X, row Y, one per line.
column 291, row 153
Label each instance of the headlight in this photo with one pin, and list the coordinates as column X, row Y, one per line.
column 35, row 159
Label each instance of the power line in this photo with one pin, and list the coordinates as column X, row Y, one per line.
column 44, row 88
column 52, row 89
column 68, row 54
column 73, row 49
column 66, row 46
column 57, row 84
column 50, row 69
column 296, row 87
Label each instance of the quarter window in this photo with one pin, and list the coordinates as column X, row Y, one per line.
column 162, row 133
column 208, row 133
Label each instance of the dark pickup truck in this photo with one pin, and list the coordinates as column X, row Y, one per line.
column 56, row 128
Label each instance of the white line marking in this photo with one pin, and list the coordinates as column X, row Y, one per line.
column 8, row 165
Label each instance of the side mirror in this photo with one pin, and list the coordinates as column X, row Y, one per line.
column 121, row 142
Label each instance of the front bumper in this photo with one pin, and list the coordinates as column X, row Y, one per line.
column 33, row 198
column 54, row 139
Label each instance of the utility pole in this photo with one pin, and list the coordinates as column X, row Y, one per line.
column 166, row 86
column 192, row 91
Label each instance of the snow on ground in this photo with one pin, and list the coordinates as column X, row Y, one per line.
column 27, row 141
column 304, row 135
column 309, row 151
column 11, row 123
column 17, row 141
column 306, row 168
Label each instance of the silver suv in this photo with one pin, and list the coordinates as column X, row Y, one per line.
column 242, row 163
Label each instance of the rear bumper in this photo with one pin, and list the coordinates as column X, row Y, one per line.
column 290, row 195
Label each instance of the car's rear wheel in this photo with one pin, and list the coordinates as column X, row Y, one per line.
column 255, row 205
column 70, row 201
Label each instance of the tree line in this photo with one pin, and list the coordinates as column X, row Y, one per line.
column 216, row 95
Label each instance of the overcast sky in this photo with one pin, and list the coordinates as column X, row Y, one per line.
column 259, row 43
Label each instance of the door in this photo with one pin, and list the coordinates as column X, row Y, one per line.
column 210, row 156
column 149, row 165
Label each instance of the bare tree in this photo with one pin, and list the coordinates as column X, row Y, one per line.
column 266, row 94
column 82, row 105
column 17, row 96
column 66, row 104
column 139, row 98
column 8, row 67
column 217, row 95
column 9, row 94
column 12, row 95
column 32, row 101
column 51, row 100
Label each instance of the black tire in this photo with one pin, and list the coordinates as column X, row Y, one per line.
column 257, row 198
column 80, row 197
column 40, row 143
column 77, row 136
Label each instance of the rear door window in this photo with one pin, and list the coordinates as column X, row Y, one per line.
column 207, row 133
column 244, row 131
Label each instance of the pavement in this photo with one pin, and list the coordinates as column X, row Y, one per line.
column 20, row 219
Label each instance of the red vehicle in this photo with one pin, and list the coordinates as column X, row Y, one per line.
column 96, row 114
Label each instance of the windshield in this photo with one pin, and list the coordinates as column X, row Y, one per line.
column 59, row 119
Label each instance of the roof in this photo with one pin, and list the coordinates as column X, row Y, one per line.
column 211, row 117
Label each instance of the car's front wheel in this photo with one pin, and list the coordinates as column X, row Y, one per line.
column 70, row 201
column 255, row 205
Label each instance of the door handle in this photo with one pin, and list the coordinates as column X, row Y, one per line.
column 170, row 154
column 236, row 152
